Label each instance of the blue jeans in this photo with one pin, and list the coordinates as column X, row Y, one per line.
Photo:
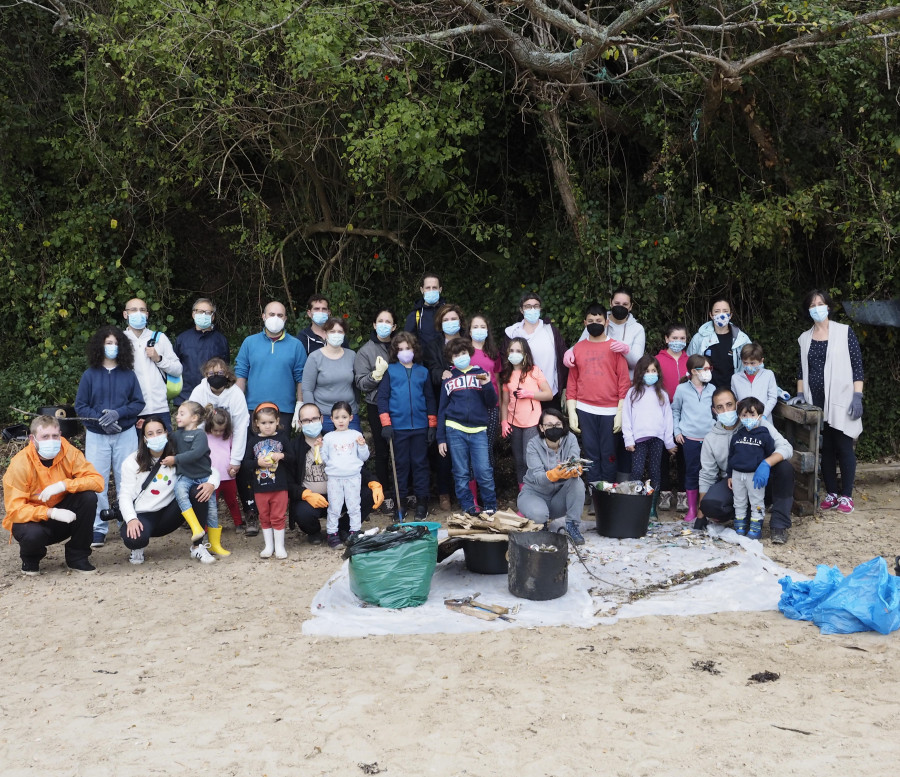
column 599, row 445
column 183, row 497
column 105, row 452
column 469, row 453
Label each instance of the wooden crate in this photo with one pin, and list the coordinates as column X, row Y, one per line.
column 801, row 425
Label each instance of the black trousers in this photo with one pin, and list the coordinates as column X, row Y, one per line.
column 837, row 449
column 718, row 504
column 381, row 451
column 34, row 537
column 163, row 522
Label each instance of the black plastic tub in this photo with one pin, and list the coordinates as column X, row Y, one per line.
column 486, row 558
column 63, row 413
column 534, row 574
column 621, row 516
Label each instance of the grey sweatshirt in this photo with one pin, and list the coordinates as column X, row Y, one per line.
column 326, row 381
column 539, row 459
column 763, row 387
column 714, row 453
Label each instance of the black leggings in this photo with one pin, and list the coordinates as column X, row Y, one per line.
column 837, row 449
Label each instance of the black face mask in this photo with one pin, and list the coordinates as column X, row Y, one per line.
column 554, row 433
column 595, row 330
column 217, row 381
column 620, row 312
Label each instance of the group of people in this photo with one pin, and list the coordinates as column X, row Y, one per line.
column 438, row 393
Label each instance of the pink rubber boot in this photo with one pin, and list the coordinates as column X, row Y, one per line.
column 693, row 497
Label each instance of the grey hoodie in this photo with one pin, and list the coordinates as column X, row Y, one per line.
column 714, row 454
column 540, row 459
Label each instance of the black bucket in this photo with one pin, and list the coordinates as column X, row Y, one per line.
column 67, row 428
column 622, row 515
column 486, row 558
column 534, row 574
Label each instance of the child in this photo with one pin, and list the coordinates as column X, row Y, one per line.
column 267, row 446
column 344, row 450
column 463, row 413
column 673, row 367
column 647, row 424
column 219, row 437
column 487, row 356
column 692, row 418
column 755, row 380
column 598, row 382
column 408, row 413
column 750, row 444
column 524, row 388
column 193, row 464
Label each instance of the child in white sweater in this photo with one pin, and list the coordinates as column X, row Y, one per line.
column 344, row 450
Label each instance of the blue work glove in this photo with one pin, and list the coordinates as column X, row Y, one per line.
column 761, row 476
column 108, row 418
column 798, row 400
column 855, row 411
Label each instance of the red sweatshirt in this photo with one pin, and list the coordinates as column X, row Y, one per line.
column 599, row 377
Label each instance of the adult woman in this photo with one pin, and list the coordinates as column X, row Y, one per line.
column 450, row 323
column 831, row 377
column 720, row 341
column 550, row 491
column 147, row 494
column 368, row 369
column 328, row 375
column 108, row 391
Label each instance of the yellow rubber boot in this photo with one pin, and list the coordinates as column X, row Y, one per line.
column 215, row 542
column 191, row 517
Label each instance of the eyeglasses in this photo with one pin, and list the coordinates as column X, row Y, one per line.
column 552, row 426
column 217, row 373
column 201, row 310
column 531, row 307
column 307, row 421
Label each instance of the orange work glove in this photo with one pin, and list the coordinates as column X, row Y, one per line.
column 377, row 493
column 313, row 499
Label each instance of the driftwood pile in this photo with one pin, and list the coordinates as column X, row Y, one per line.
column 489, row 528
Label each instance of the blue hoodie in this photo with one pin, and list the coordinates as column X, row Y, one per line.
column 406, row 396
column 465, row 401
column 102, row 389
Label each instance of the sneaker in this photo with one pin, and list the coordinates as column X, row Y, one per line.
column 699, row 525
column 315, row 539
column 741, row 525
column 845, row 505
column 779, row 536
column 31, row 568
column 239, row 528
column 98, row 540
column 681, row 504
column 334, row 540
column 473, row 511
column 251, row 523
column 202, row 555
column 574, row 531
column 82, row 565
column 137, row 556
column 387, row 506
column 343, row 534
column 665, row 500
column 488, row 513
column 421, row 512
column 755, row 531
column 445, row 502
column 829, row 502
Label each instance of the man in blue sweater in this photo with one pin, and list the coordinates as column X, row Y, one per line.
column 194, row 347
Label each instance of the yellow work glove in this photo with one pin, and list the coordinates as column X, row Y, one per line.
column 377, row 493
column 617, row 423
column 313, row 499
column 380, row 368
column 573, row 416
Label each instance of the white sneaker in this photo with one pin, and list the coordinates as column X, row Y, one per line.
column 682, row 502
column 202, row 555
column 137, row 556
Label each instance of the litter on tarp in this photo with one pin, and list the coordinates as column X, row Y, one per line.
column 868, row 599
column 637, row 487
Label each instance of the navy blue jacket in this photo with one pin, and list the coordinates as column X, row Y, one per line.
column 748, row 448
column 407, row 397
column 465, row 400
column 421, row 321
column 193, row 349
column 102, row 389
column 310, row 340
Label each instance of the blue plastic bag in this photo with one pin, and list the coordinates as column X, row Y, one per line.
column 868, row 599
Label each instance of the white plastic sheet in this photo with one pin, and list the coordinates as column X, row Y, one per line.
column 623, row 566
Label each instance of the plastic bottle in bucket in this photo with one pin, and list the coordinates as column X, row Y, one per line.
column 622, row 515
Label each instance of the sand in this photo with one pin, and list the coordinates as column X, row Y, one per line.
column 175, row 668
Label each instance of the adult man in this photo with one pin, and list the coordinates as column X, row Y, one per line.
column 269, row 367
column 194, row 347
column 50, row 494
column 421, row 320
column 775, row 472
column 154, row 357
column 318, row 311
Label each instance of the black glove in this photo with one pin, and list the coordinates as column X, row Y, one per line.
column 856, row 408
column 430, row 435
column 387, row 432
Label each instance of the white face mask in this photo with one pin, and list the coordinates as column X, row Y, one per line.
column 705, row 376
column 335, row 339
column 274, row 324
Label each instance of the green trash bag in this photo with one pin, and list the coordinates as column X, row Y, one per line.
column 393, row 569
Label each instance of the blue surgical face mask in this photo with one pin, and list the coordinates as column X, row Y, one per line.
column 335, row 339
column 650, row 378
column 462, row 361
column 431, row 297
column 515, row 358
column 319, row 317
column 111, row 351
column 313, row 429
column 450, row 327
column 532, row 316
column 721, row 319
column 479, row 333
column 203, row 320
column 750, row 422
column 137, row 320
column 818, row 312
column 383, row 330
column 47, row 449
column 158, row 443
column 752, row 369
column 677, row 346
column 728, row 418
